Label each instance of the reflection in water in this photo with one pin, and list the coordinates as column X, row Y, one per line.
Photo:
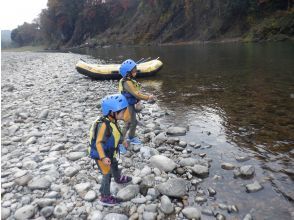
column 235, row 98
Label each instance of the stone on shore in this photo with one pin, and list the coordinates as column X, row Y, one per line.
column 173, row 187
column 163, row 163
column 39, row 183
column 115, row 216
column 166, row 205
column 128, row 193
column 25, row 212
column 191, row 213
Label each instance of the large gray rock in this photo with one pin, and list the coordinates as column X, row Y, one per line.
column 129, row 192
column 176, row 131
column 163, row 163
column 173, row 187
column 166, row 205
column 25, row 212
column 39, row 183
column 192, row 213
column 115, row 216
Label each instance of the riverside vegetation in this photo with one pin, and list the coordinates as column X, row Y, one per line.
column 91, row 23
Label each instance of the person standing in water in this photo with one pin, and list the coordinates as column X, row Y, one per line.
column 130, row 88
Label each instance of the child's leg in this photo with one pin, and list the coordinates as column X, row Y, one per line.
column 105, row 185
column 133, row 123
column 117, row 173
column 114, row 169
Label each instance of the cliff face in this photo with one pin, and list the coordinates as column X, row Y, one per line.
column 199, row 20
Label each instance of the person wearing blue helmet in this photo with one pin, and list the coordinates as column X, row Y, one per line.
column 105, row 137
column 130, row 88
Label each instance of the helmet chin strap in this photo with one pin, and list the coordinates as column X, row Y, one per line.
column 112, row 115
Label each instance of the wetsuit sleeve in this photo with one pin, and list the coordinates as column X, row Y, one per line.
column 129, row 87
column 101, row 140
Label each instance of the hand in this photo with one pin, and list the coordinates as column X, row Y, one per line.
column 106, row 161
column 151, row 98
column 126, row 143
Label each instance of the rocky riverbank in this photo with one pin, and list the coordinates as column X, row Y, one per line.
column 47, row 108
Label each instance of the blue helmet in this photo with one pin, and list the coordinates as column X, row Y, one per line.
column 126, row 67
column 113, row 103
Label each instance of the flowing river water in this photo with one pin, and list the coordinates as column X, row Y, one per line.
column 238, row 100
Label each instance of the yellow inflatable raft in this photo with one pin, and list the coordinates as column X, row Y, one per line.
column 110, row 71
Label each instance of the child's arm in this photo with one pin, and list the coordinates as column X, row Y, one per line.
column 129, row 86
column 100, row 140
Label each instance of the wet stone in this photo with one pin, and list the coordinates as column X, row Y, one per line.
column 211, row 191
column 254, row 187
column 227, row 166
column 247, row 170
column 242, row 158
column 176, row 131
column 248, row 217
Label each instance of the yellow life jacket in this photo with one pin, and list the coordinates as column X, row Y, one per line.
column 113, row 133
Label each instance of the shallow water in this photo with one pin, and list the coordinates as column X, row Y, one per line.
column 237, row 99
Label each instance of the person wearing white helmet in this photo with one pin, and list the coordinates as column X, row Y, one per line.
column 130, row 88
column 105, row 138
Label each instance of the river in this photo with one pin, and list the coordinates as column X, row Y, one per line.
column 237, row 99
